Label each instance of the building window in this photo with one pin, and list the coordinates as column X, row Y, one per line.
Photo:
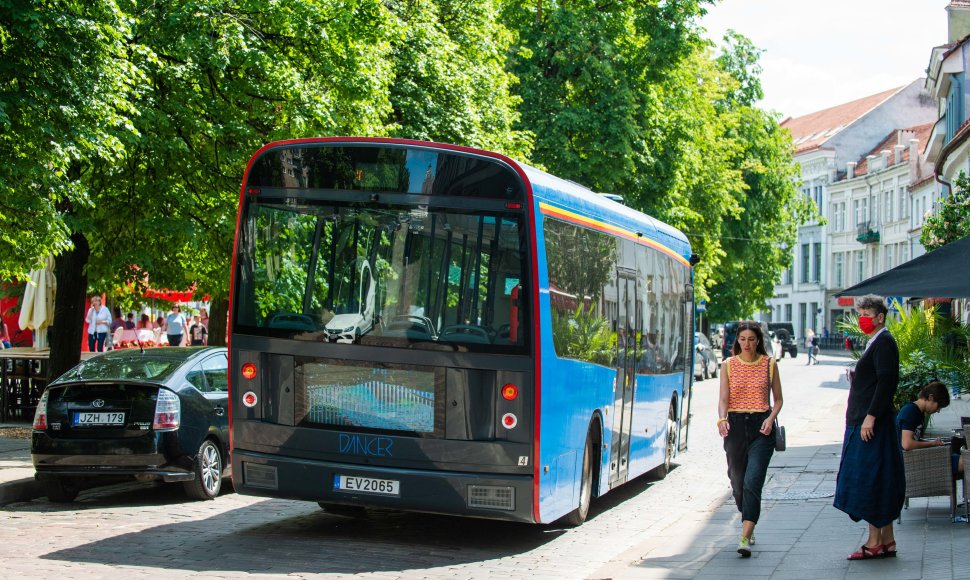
column 856, row 211
column 888, row 259
column 806, row 258
column 818, row 196
column 813, row 317
column 787, row 312
column 817, row 270
column 902, row 203
column 860, row 265
column 839, row 270
column 888, row 206
column 842, row 221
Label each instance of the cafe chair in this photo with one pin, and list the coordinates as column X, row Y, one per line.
column 965, row 454
column 929, row 474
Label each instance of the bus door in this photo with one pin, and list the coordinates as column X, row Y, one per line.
column 690, row 353
column 627, row 334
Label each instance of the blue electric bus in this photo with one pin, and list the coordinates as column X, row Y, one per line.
column 435, row 328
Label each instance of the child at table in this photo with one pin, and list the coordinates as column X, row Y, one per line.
column 910, row 418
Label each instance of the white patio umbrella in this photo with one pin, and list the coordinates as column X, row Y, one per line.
column 37, row 310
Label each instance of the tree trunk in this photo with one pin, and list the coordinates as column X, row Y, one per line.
column 72, row 285
column 218, row 318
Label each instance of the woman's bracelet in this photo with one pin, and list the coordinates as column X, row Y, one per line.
column 721, row 420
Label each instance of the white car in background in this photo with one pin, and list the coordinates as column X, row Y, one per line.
column 348, row 327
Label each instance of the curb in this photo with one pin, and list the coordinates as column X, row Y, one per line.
column 20, row 490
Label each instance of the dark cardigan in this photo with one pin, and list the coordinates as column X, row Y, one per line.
column 875, row 381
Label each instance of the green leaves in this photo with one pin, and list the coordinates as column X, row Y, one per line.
column 952, row 220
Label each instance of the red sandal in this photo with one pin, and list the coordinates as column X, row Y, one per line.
column 866, row 553
column 889, row 550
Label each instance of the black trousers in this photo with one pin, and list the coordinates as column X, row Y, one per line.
column 748, row 454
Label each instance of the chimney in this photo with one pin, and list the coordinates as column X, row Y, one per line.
column 958, row 20
column 915, row 168
column 885, row 157
column 898, row 153
column 850, row 170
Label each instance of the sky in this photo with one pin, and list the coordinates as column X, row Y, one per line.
column 822, row 53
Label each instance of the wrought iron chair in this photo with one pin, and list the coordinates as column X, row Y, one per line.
column 929, row 474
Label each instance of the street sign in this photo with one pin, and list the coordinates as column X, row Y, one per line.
column 702, row 306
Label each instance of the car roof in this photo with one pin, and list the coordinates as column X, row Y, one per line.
column 185, row 354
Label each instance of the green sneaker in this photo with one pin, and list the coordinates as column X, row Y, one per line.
column 744, row 547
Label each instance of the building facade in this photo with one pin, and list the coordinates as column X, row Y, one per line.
column 827, row 144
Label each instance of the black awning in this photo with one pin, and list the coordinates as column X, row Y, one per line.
column 942, row 273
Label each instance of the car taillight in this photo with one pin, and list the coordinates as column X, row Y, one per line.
column 168, row 411
column 40, row 415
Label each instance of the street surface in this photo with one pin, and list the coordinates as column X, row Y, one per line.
column 147, row 530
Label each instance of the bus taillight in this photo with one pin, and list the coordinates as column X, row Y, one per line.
column 510, row 392
column 249, row 399
column 509, row 421
column 249, row 371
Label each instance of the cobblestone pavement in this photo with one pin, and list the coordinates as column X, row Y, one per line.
column 680, row 527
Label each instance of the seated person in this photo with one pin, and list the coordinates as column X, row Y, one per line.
column 909, row 422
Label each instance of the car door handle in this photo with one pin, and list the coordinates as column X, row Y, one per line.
column 220, row 411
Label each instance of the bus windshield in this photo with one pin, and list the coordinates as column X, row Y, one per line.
column 381, row 274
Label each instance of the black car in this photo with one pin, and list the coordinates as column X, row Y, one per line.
column 157, row 414
column 786, row 335
column 731, row 332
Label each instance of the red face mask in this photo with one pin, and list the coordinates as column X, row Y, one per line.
column 866, row 324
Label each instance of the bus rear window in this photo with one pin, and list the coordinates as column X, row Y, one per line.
column 384, row 169
column 392, row 276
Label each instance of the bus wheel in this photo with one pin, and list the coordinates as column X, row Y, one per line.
column 662, row 470
column 350, row 511
column 578, row 515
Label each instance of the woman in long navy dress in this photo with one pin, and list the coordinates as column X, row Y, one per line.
column 871, row 484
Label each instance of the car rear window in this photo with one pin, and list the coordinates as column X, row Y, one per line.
column 98, row 368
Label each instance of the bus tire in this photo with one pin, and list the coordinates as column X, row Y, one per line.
column 663, row 469
column 349, row 511
column 578, row 515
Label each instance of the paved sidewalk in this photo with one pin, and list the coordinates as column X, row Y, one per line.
column 801, row 536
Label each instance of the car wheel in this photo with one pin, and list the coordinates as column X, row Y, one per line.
column 208, row 473
column 61, row 489
column 578, row 515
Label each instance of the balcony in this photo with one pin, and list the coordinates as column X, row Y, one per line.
column 865, row 233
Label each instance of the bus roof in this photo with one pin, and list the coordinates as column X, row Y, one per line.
column 556, row 192
column 576, row 198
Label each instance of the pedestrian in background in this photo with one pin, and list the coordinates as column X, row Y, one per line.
column 4, row 335
column 204, row 317
column 130, row 321
column 99, row 322
column 871, row 484
column 810, row 346
column 746, row 417
column 175, row 326
column 198, row 335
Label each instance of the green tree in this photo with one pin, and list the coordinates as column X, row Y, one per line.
column 952, row 220
column 758, row 235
